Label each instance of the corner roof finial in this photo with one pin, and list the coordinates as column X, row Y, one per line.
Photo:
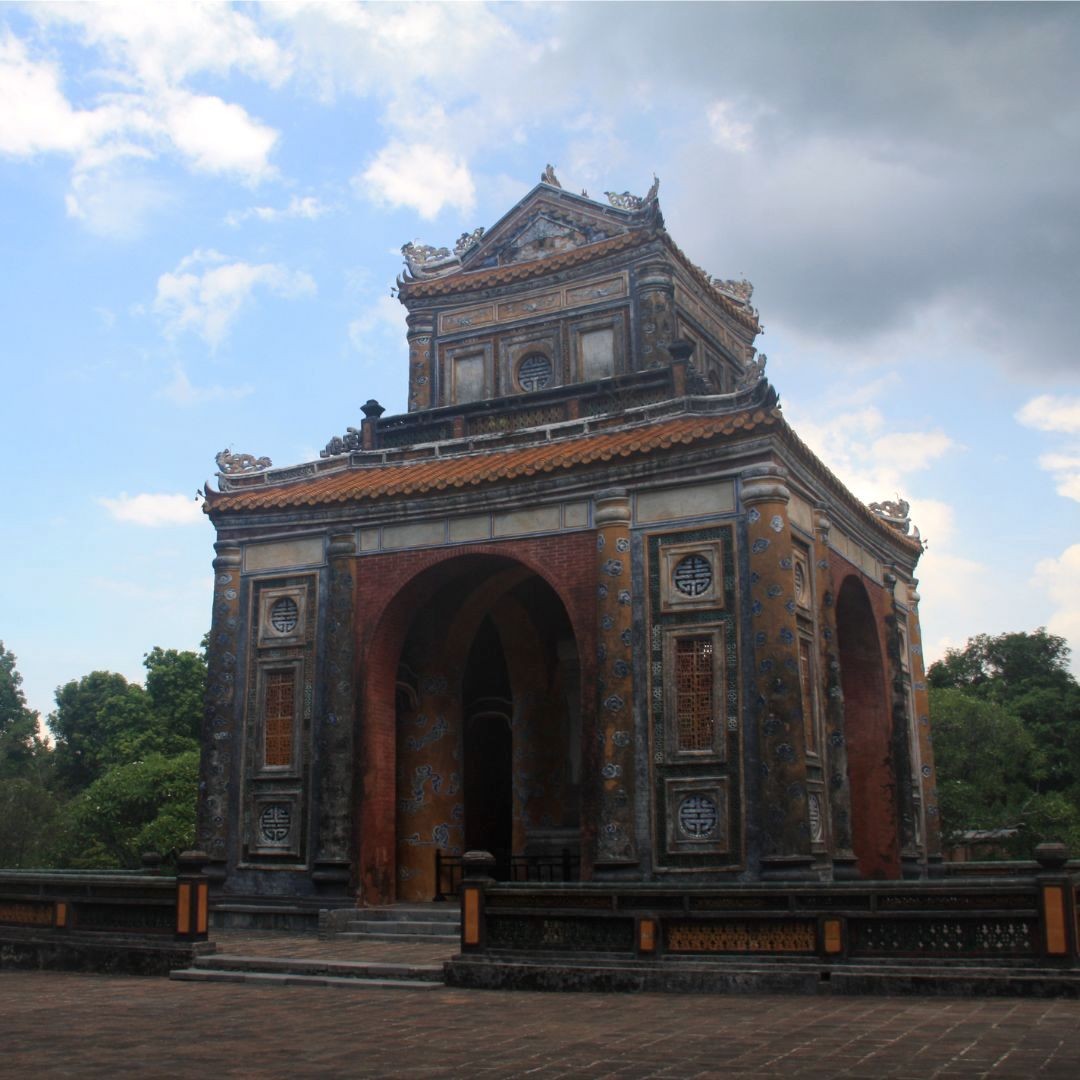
column 548, row 177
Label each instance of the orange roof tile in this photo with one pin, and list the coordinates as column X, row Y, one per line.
column 505, row 275
column 485, row 467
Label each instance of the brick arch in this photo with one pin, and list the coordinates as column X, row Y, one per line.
column 868, row 733
column 390, row 589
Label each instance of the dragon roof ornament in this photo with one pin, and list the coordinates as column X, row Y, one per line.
column 230, row 464
column 626, row 201
column 897, row 514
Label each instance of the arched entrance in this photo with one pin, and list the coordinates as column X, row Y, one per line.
column 867, row 726
column 487, row 726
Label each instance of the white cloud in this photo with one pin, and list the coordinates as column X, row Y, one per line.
column 418, row 176
column 728, row 131
column 206, row 292
column 305, row 207
column 1057, row 414
column 1049, row 413
column 1060, row 579
column 153, row 511
column 378, row 329
column 182, row 392
column 219, row 137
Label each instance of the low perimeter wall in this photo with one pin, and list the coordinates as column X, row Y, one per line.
column 1011, row 916
column 144, row 924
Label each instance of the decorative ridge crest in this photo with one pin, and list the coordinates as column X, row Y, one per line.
column 752, row 373
column 230, row 464
column 897, row 514
column 626, row 201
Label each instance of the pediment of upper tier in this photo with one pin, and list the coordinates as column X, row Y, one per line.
column 548, row 221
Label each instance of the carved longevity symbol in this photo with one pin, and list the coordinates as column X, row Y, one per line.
column 284, row 615
column 693, row 575
column 274, row 823
column 698, row 816
column 534, row 372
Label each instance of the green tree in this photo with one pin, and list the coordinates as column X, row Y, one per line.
column 176, row 683
column 101, row 721
column 1006, row 716
column 147, row 805
column 28, row 813
column 19, row 742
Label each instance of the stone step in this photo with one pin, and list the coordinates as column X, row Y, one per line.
column 389, row 932
column 440, row 913
column 273, row 978
column 354, row 969
column 401, row 929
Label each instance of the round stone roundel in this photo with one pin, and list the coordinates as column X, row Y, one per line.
column 534, row 372
column 693, row 575
column 698, row 816
column 284, row 615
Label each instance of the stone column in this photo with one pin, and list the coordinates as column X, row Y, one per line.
column 656, row 315
column 927, row 773
column 616, row 842
column 834, row 754
column 220, row 724
column 775, row 697
column 334, row 737
column 421, row 365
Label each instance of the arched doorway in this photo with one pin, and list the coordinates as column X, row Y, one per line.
column 867, row 727
column 487, row 722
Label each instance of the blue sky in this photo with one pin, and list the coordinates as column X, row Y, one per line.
column 203, row 207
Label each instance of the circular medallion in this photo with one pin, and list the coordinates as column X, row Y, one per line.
column 693, row 575
column 284, row 615
column 698, row 816
column 534, row 372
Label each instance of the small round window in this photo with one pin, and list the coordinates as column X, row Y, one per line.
column 693, row 575
column 534, row 372
column 284, row 615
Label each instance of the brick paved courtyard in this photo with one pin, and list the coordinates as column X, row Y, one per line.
column 98, row 1026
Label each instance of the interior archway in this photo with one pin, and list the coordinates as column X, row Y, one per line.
column 867, row 723
column 488, row 725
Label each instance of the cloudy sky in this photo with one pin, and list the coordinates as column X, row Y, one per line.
column 201, row 209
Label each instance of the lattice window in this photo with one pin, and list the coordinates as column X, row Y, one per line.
column 694, row 678
column 279, row 718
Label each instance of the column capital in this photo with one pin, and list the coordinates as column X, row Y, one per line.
column 612, row 507
column 228, row 555
column 342, row 543
column 764, row 483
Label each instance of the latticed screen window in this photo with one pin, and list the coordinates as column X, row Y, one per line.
column 694, row 677
column 806, row 682
column 280, row 716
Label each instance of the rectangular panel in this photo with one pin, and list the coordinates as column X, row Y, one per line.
column 597, row 353
column 520, row 522
column 284, row 554
column 369, row 539
column 800, row 513
column 468, row 378
column 529, row 305
column 417, row 534
column 689, row 501
column 576, row 515
column 476, row 527
column 597, row 290
column 465, row 320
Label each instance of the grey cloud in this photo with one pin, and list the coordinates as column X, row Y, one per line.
column 903, row 157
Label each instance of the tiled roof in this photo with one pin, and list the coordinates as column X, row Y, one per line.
column 471, row 470
column 465, row 281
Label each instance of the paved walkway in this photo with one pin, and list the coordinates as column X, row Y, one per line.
column 70, row 1025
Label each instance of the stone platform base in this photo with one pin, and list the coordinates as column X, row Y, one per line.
column 753, row 976
column 100, row 951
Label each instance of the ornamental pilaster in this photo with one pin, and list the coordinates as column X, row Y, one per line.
column 656, row 315
column 837, row 781
column 927, row 777
column 616, row 842
column 335, row 759
column 219, row 728
column 775, row 693
column 421, row 337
